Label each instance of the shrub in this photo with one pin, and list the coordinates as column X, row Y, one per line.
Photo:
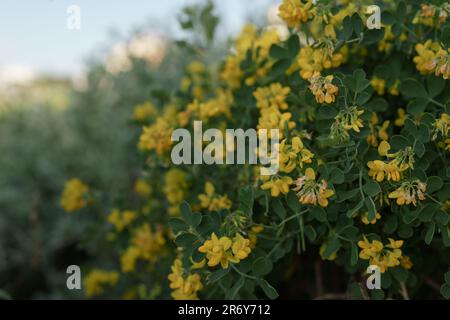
column 363, row 180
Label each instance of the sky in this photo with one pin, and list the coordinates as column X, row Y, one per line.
column 35, row 38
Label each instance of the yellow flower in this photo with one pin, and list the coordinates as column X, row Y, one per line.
column 369, row 249
column 156, row 137
column 313, row 60
column 365, row 218
column 259, row 46
column 432, row 58
column 142, row 188
column 393, row 90
column 272, row 118
column 253, row 235
column 144, row 112
column 332, row 256
column 272, row 96
column 323, row 89
column 383, row 256
column 311, row 192
column 409, row 192
column 175, row 187
column 378, row 85
column 376, row 170
column 185, row 287
column 209, row 200
column 294, row 154
column 224, row 250
column 128, row 259
column 96, row 279
column 120, row 220
column 148, row 242
column 401, row 114
column 74, row 196
column 295, row 12
column 217, row 251
column 277, row 185
column 241, row 247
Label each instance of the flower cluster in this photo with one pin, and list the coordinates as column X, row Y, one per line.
column 323, row 89
column 295, row 12
column 145, row 244
column 96, row 279
column 175, row 187
column 224, row 250
column 409, row 192
column 74, row 196
column 293, row 154
column 401, row 161
column 185, row 285
column 144, row 112
column 121, row 219
column 432, row 58
column 383, row 256
column 211, row 201
column 309, row 191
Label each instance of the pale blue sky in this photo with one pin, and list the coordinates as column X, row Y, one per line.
column 33, row 33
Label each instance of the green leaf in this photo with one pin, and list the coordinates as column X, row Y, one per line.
column 371, row 188
column 318, row 213
column 390, row 225
column 419, row 149
column 293, row 202
column 410, row 215
column 427, row 212
column 445, row 291
column 236, row 287
column 278, row 52
column 423, row 134
column 353, row 254
column 331, row 246
column 377, row 104
column 261, row 266
column 337, row 176
column 278, row 208
column 435, row 85
column 434, row 184
column 191, row 218
column 347, row 29
column 246, row 199
column 345, row 195
column 445, row 36
column 361, row 82
column 280, row 67
column 177, row 225
column 441, row 217
column 411, row 88
column 362, row 98
column 399, row 142
column 353, row 211
column 373, row 36
column 447, row 277
column 293, row 46
column 417, row 106
column 430, row 233
column 370, row 205
column 217, row 275
column 270, row 291
column 357, row 24
column 400, row 274
column 186, row 239
column 310, row 233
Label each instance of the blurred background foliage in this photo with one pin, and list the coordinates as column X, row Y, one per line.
column 52, row 129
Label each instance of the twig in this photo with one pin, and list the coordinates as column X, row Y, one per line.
column 404, row 291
